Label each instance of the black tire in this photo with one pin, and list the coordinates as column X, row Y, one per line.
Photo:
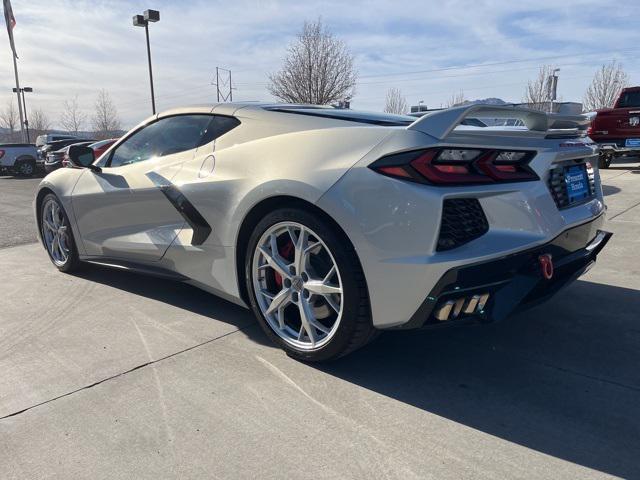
column 355, row 329
column 604, row 161
column 25, row 167
column 73, row 261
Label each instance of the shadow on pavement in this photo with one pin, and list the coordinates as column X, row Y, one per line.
column 609, row 190
column 178, row 294
column 562, row 379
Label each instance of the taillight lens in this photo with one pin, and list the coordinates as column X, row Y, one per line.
column 455, row 166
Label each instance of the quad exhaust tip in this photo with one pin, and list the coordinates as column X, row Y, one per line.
column 451, row 309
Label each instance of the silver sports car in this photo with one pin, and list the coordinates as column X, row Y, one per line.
column 334, row 224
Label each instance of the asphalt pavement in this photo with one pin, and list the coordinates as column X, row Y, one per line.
column 17, row 223
column 106, row 374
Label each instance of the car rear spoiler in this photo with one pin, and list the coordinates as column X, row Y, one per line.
column 441, row 123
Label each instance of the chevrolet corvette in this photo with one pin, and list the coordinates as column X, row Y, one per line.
column 334, row 224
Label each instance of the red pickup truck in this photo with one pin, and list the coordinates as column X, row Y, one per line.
column 617, row 129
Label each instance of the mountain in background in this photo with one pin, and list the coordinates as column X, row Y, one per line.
column 486, row 101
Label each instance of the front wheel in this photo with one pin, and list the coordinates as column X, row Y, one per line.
column 57, row 235
column 307, row 287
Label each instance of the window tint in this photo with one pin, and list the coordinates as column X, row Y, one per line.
column 171, row 135
column 218, row 126
column 629, row 100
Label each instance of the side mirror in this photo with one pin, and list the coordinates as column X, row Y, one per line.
column 81, row 156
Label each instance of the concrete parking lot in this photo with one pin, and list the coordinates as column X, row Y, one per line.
column 106, row 374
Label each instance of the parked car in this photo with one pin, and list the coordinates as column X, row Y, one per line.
column 332, row 224
column 54, row 146
column 42, row 140
column 56, row 159
column 617, row 129
column 18, row 159
column 102, row 146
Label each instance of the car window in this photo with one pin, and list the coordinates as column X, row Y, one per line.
column 169, row 135
column 218, row 126
column 629, row 100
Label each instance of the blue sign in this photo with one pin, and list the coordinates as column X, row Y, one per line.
column 577, row 183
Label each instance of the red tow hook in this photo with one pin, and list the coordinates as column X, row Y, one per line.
column 546, row 265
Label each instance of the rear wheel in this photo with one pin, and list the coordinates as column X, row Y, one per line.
column 604, row 160
column 57, row 235
column 306, row 286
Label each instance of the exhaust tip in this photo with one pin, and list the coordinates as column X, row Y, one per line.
column 452, row 309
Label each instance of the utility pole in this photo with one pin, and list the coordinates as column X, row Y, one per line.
column 224, row 87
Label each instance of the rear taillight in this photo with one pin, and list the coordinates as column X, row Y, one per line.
column 455, row 166
column 1, row 153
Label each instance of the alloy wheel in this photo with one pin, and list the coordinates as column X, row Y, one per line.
column 55, row 232
column 297, row 285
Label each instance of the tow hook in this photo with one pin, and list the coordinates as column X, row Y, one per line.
column 546, row 265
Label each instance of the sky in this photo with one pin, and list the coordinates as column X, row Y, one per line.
column 428, row 49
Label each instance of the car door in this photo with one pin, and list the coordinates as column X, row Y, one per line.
column 122, row 211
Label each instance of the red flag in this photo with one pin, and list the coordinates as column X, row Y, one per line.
column 11, row 22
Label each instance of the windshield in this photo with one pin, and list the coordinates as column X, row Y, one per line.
column 629, row 99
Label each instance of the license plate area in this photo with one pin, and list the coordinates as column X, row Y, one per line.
column 576, row 183
column 572, row 183
column 632, row 142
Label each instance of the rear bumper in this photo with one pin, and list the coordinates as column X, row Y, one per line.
column 512, row 282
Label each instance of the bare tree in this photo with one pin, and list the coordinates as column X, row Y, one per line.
column 39, row 121
column 456, row 99
column 105, row 119
column 537, row 91
column 9, row 117
column 318, row 69
column 72, row 118
column 605, row 87
column 395, row 102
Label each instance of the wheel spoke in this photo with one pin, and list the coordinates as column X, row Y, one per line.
column 48, row 225
column 319, row 287
column 54, row 215
column 280, row 300
column 306, row 317
column 300, row 254
column 275, row 262
column 332, row 303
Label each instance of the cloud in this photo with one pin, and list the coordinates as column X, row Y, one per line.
column 77, row 47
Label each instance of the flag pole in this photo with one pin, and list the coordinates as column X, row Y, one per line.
column 15, row 69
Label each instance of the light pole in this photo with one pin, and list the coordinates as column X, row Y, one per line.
column 143, row 21
column 24, row 90
column 553, row 88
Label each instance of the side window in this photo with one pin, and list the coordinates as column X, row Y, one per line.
column 218, row 126
column 164, row 137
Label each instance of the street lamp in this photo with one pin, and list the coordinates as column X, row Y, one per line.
column 553, row 87
column 143, row 21
column 24, row 90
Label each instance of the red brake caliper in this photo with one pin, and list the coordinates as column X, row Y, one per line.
column 285, row 252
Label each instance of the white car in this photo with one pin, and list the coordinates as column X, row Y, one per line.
column 334, row 224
